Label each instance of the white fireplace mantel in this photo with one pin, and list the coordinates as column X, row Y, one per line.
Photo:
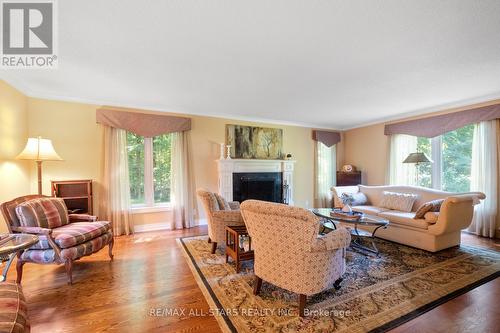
column 226, row 168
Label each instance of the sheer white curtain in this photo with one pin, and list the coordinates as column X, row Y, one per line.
column 484, row 177
column 401, row 146
column 326, row 167
column 182, row 186
column 114, row 202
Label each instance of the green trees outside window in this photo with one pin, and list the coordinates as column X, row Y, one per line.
column 149, row 162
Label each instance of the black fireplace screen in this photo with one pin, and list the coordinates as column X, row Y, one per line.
column 267, row 186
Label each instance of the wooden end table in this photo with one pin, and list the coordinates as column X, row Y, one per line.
column 233, row 246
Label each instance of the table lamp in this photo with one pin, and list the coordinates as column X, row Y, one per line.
column 39, row 150
column 417, row 158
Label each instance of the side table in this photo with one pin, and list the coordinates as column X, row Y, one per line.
column 234, row 248
column 10, row 246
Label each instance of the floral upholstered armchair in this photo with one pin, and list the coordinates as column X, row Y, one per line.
column 64, row 237
column 220, row 214
column 290, row 253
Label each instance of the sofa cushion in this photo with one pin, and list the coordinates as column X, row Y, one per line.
column 73, row 253
column 13, row 309
column 43, row 212
column 429, row 206
column 370, row 210
column 431, row 217
column 73, row 234
column 404, row 218
column 398, row 201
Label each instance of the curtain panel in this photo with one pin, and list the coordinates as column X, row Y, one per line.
column 143, row 124
column 400, row 147
column 484, row 177
column 183, row 188
column 436, row 125
column 114, row 203
column 325, row 169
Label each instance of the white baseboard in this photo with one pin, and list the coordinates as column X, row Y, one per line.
column 151, row 227
column 160, row 226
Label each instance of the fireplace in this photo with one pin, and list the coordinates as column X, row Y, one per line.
column 270, row 180
column 267, row 186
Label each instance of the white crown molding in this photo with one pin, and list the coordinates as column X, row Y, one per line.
column 160, row 108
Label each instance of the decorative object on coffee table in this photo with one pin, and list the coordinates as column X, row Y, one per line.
column 330, row 223
column 39, row 150
column 347, row 200
column 238, row 245
column 77, row 195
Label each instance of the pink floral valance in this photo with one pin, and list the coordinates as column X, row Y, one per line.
column 143, row 124
column 433, row 126
column 326, row 137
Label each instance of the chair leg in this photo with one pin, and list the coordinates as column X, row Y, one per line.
column 69, row 270
column 302, row 304
column 337, row 283
column 19, row 269
column 110, row 248
column 209, row 240
column 214, row 247
column 257, row 285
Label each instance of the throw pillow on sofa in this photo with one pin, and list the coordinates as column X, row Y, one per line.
column 431, row 217
column 398, row 201
column 356, row 199
column 43, row 212
column 430, row 206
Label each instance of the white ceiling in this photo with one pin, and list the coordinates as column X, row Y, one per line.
column 331, row 64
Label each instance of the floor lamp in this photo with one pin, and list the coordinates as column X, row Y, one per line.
column 417, row 158
column 39, row 150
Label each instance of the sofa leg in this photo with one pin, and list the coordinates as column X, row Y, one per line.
column 110, row 248
column 19, row 270
column 209, row 240
column 214, row 247
column 302, row 304
column 257, row 285
column 69, row 270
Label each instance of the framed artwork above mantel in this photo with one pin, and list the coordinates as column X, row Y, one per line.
column 250, row 142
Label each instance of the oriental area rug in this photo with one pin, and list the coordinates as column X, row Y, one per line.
column 378, row 292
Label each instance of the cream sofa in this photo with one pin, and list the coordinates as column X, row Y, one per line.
column 455, row 215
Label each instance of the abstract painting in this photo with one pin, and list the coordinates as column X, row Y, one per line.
column 255, row 142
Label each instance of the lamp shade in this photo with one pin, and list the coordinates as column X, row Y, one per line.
column 39, row 149
column 417, row 158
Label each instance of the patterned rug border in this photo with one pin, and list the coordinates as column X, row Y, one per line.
column 213, row 302
column 226, row 324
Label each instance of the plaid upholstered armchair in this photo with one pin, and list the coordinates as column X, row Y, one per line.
column 220, row 214
column 64, row 237
column 290, row 253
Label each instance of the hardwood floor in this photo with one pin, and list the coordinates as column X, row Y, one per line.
column 149, row 272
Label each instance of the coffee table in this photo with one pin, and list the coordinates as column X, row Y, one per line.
column 330, row 223
column 12, row 245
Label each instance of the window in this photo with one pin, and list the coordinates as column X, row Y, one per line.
column 326, row 167
column 149, row 162
column 452, row 157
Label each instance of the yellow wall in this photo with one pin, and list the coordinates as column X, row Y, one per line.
column 14, row 174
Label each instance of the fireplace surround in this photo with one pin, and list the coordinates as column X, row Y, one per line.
column 270, row 180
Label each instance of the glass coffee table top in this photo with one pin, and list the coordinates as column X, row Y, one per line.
column 330, row 223
column 10, row 245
